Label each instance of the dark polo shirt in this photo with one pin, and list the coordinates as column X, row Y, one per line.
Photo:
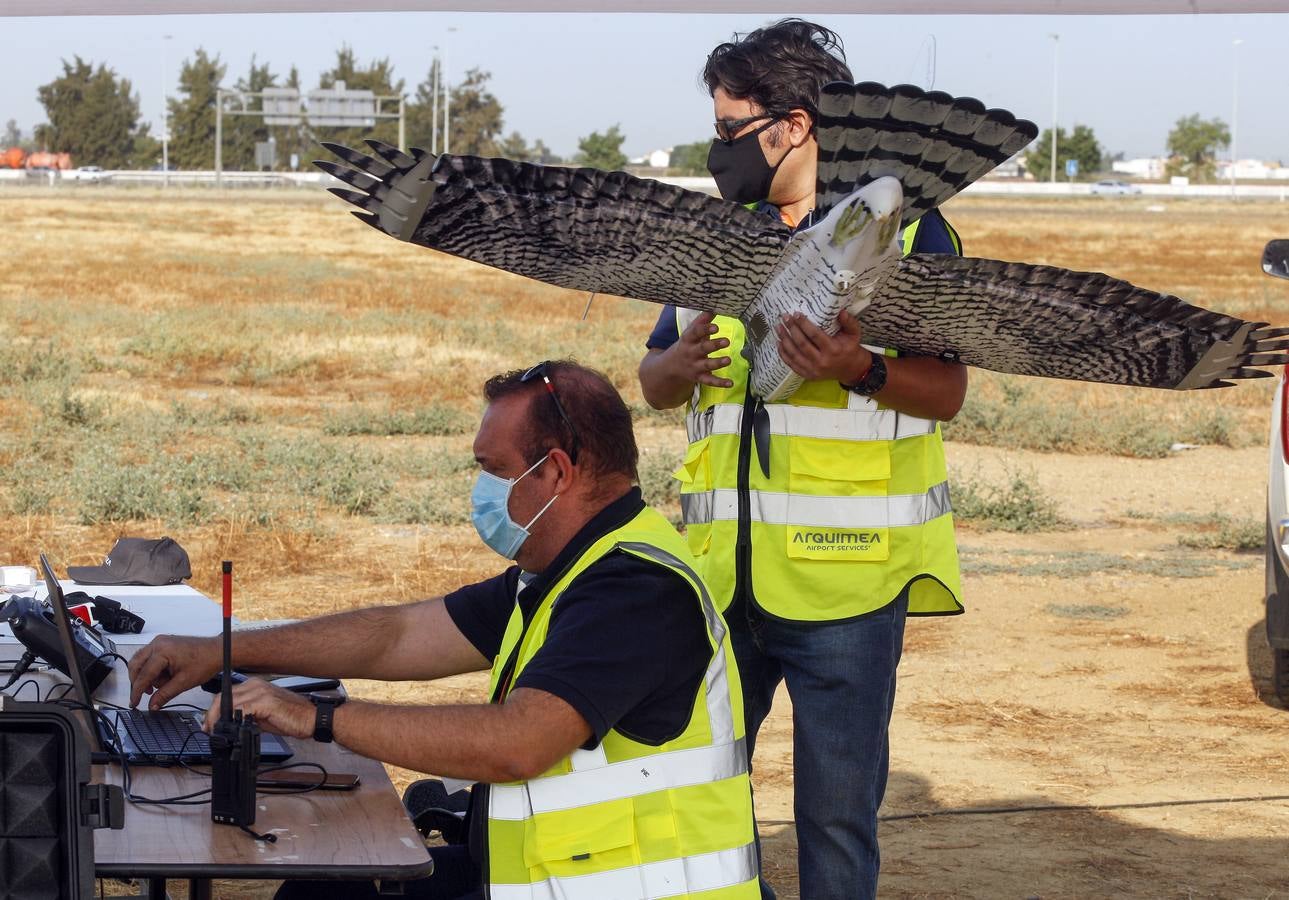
column 627, row 645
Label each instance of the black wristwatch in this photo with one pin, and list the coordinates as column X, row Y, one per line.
column 874, row 379
column 324, row 712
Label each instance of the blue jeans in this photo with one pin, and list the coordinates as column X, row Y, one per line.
column 841, row 678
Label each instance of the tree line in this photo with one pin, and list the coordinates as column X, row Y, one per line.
column 1192, row 151
column 94, row 115
column 1192, row 145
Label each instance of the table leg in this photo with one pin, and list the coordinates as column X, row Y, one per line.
column 156, row 889
column 199, row 889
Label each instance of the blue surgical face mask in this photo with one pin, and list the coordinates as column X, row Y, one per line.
column 490, row 502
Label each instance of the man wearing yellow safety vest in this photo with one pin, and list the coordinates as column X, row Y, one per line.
column 821, row 521
column 610, row 759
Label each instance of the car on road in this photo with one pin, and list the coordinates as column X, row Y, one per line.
column 89, row 174
column 1275, row 262
column 1110, row 187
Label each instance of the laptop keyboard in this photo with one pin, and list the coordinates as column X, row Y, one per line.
column 165, row 733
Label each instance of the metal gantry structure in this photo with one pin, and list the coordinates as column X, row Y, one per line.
column 335, row 107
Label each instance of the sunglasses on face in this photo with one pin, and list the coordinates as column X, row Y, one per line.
column 541, row 370
column 727, row 129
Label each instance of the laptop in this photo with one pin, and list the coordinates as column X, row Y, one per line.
column 144, row 737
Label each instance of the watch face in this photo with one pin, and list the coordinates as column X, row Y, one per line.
column 874, row 379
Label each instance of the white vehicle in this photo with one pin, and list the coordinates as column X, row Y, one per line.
column 1109, row 186
column 88, row 174
column 1275, row 261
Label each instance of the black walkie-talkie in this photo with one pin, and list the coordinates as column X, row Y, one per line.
column 234, row 741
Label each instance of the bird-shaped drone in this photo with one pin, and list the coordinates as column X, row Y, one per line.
column 886, row 156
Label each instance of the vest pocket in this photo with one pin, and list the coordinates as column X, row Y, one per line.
column 815, row 461
column 695, row 472
column 836, row 505
column 699, row 538
column 577, row 835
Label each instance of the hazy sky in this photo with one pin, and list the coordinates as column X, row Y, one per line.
column 562, row 76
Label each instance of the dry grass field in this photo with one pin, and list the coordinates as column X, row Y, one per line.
column 267, row 380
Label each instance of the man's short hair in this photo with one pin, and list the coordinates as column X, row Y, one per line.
column 780, row 67
column 606, row 444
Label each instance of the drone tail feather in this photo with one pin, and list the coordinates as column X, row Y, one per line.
column 363, row 201
column 375, row 167
column 392, row 154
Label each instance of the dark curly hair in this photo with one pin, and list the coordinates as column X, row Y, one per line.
column 780, row 67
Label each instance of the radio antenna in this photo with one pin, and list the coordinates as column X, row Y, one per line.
column 226, row 695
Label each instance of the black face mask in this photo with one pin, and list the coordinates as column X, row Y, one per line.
column 742, row 173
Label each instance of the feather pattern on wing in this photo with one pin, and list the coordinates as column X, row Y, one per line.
column 610, row 232
column 1045, row 321
column 605, row 232
column 933, row 143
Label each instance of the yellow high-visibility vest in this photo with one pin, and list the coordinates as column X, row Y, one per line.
column 629, row 820
column 850, row 509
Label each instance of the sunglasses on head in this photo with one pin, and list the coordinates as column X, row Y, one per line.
column 542, row 371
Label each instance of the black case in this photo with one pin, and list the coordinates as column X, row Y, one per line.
column 48, row 808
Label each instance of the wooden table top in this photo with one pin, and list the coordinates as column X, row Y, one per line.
column 359, row 833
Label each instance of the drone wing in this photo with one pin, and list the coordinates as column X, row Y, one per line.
column 606, row 232
column 1040, row 320
column 933, row 143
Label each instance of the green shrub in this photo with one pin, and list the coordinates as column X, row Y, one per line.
column 431, row 420
column 1216, row 426
column 1071, row 564
column 420, row 463
column 216, row 469
column 1221, row 532
column 32, row 364
column 353, row 479
column 110, row 489
column 656, row 482
column 643, row 412
column 1020, row 420
column 231, row 414
column 436, row 504
column 1019, row 504
column 77, row 411
column 31, row 488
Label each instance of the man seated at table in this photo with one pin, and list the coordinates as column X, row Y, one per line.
column 610, row 756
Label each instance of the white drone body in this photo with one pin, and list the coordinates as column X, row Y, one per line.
column 838, row 263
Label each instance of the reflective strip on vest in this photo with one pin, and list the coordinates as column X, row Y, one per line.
column 771, row 508
column 864, row 423
column 593, row 782
column 618, row 781
column 651, row 881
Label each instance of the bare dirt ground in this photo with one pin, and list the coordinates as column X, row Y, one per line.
column 1101, row 680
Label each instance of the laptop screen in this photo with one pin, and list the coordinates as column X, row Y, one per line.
column 62, row 618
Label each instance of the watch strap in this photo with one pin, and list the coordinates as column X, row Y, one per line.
column 323, row 716
column 874, row 379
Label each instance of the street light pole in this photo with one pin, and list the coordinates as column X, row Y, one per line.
column 1235, row 106
column 447, row 98
column 165, row 117
column 1056, row 55
column 219, row 137
column 435, row 73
